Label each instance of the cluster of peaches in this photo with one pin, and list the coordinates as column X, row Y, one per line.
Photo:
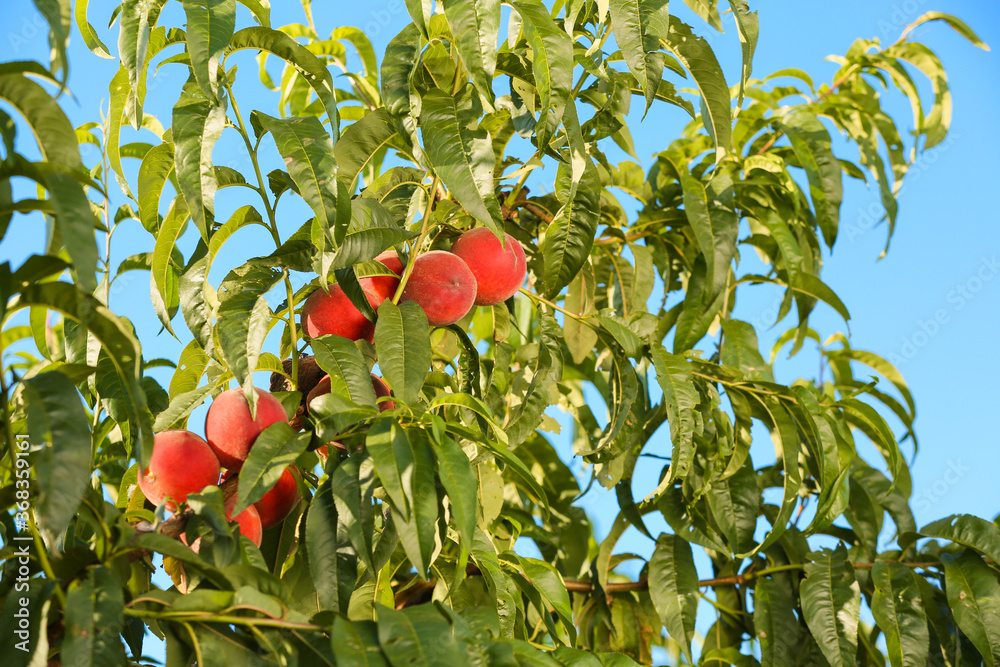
column 478, row 270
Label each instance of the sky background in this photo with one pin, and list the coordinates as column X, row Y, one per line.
column 931, row 305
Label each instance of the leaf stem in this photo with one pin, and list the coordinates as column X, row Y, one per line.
column 541, row 299
column 415, row 246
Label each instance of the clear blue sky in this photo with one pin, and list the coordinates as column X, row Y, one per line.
column 943, row 264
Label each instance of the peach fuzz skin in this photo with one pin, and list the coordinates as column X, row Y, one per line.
column 279, row 501
column 334, row 314
column 182, row 463
column 443, row 285
column 229, row 429
column 499, row 271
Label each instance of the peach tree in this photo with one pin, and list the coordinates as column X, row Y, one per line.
column 379, row 519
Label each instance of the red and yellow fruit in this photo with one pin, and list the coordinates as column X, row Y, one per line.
column 334, row 314
column 279, row 501
column 443, row 285
column 499, row 270
column 182, row 463
column 231, row 431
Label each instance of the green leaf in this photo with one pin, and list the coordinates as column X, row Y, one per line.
column 389, row 446
column 51, row 128
column 403, row 341
column 401, row 57
column 115, row 335
column 580, row 337
column 56, row 416
column 552, row 65
column 372, row 231
column 740, row 350
column 708, row 10
column 974, row 598
column 356, row 648
column 244, row 318
column 673, row 585
column 418, row 635
column 812, row 146
column 967, row 530
column 156, row 167
column 639, row 27
column 955, row 23
column 898, row 610
column 197, row 125
column 831, row 602
column 352, row 485
column 308, row 153
column 137, row 20
column 748, row 28
column 462, row 156
column 210, row 26
column 699, row 59
column 548, row 583
column 714, row 223
column 75, row 223
column 163, row 273
column 329, row 566
column 419, row 538
column 310, row 68
column 475, row 25
column 459, row 481
column 680, row 398
column 94, row 618
column 59, row 15
column 420, row 11
column 87, row 31
column 570, row 236
column 341, row 358
column 812, row 286
column 360, row 143
column 774, row 621
column 273, row 451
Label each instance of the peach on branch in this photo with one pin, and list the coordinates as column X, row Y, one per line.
column 248, row 519
column 499, row 270
column 231, row 431
column 279, row 501
column 181, row 463
column 334, row 314
column 443, row 285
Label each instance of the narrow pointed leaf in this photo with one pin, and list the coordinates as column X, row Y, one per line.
column 403, row 341
column 210, row 26
column 673, row 585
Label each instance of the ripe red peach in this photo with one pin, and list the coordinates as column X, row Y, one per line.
column 334, row 313
column 229, row 429
column 279, row 501
column 182, row 463
column 390, row 259
column 443, row 285
column 248, row 519
column 499, row 271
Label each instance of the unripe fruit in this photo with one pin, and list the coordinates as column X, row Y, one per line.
column 279, row 501
column 499, row 271
column 443, row 285
column 182, row 463
column 229, row 429
column 334, row 313
column 390, row 260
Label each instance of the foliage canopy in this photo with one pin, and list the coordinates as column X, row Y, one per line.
column 402, row 550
